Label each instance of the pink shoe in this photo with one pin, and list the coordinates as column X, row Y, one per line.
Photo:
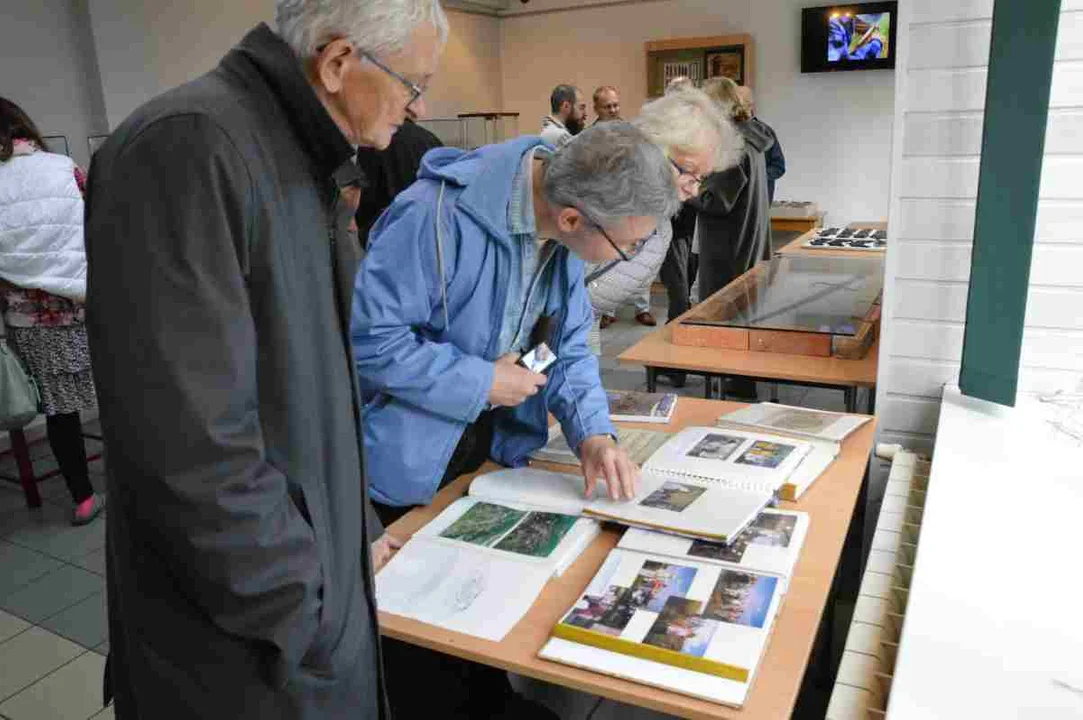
column 86, row 511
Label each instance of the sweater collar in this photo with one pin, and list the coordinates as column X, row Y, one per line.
column 281, row 69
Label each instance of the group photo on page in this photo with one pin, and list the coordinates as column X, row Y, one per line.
column 537, row 359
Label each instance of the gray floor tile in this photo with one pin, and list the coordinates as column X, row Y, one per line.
column 825, row 399
column 50, row 531
column 85, row 623
column 102, row 649
column 52, row 593
column 21, row 566
column 11, row 497
column 71, row 692
column 30, row 656
column 94, row 562
column 10, row 626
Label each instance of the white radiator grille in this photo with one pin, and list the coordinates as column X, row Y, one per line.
column 863, row 682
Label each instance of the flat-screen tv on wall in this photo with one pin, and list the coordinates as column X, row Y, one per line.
column 848, row 37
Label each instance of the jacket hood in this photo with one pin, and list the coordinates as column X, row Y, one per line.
column 756, row 134
column 485, row 174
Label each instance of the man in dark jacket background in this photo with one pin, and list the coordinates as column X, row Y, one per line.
column 238, row 539
column 390, row 171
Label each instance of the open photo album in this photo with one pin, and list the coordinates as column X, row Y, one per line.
column 770, row 544
column 638, row 443
column 480, row 564
column 641, row 407
column 685, row 625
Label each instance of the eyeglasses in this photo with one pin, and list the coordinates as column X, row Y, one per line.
column 415, row 89
column 697, row 179
column 625, row 256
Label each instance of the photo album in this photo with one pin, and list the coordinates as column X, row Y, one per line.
column 680, row 624
column 641, row 407
column 824, row 431
column 770, row 544
column 639, row 444
column 480, row 564
column 795, row 422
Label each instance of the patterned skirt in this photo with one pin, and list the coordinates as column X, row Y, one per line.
column 59, row 360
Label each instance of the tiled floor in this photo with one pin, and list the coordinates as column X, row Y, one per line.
column 53, row 626
column 52, row 600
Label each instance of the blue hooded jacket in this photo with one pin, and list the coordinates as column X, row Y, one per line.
column 422, row 380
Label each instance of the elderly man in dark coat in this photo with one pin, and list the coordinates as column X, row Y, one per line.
column 240, row 544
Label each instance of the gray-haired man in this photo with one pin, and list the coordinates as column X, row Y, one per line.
column 240, row 578
column 476, row 263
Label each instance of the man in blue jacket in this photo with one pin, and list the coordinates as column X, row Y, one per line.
column 507, row 228
column 473, row 265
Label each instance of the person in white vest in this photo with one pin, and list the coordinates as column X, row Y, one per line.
column 697, row 139
column 42, row 289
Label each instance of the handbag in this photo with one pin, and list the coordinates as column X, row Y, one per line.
column 20, row 399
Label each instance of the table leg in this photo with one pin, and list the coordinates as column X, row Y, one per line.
column 774, row 392
column 849, row 395
column 707, row 391
column 26, row 468
column 870, row 403
column 652, row 378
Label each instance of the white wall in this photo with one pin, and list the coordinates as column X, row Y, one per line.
column 835, row 128
column 48, row 69
column 941, row 97
column 468, row 78
column 144, row 49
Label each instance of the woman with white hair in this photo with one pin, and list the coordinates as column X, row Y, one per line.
column 241, row 545
column 695, row 137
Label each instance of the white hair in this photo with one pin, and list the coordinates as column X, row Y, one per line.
column 687, row 120
column 380, row 27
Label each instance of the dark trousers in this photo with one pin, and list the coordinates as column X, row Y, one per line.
column 65, row 433
column 675, row 276
column 419, row 679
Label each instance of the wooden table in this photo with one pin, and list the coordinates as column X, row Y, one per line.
column 831, row 504
column 796, row 246
column 657, row 352
column 797, row 224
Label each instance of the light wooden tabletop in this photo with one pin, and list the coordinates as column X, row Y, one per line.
column 830, row 503
column 658, row 350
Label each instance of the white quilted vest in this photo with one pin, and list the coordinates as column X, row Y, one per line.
column 41, row 225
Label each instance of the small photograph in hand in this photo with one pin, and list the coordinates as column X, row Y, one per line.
column 681, row 628
column 765, row 454
column 538, row 535
column 768, row 529
column 483, row 524
column 715, row 446
column 538, row 359
column 741, row 598
column 673, row 496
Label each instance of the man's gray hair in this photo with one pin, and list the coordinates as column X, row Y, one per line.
column 688, row 121
column 612, row 171
column 381, row 27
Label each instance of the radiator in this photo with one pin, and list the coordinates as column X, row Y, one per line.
column 863, row 683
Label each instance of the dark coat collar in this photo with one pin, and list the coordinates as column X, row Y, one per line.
column 280, row 68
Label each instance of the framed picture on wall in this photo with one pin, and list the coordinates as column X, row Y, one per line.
column 726, row 62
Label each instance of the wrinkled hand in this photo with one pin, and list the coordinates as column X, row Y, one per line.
column 512, row 384
column 383, row 549
column 601, row 457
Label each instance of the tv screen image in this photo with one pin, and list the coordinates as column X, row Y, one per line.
column 849, row 37
column 860, row 36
